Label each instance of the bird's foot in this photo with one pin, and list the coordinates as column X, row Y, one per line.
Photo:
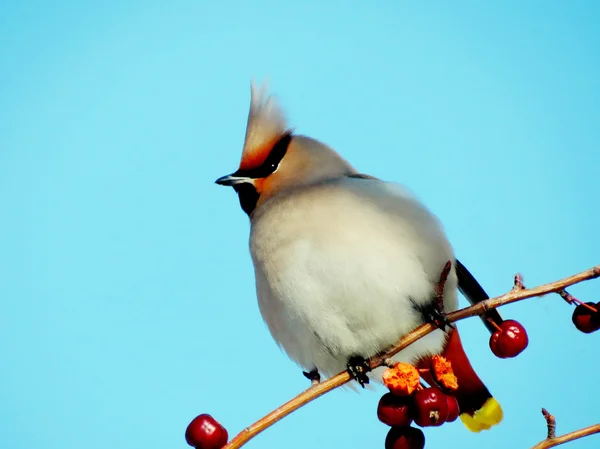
column 313, row 376
column 438, row 318
column 433, row 311
column 358, row 368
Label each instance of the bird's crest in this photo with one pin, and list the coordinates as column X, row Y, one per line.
column 266, row 124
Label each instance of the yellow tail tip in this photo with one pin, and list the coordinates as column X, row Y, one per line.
column 483, row 419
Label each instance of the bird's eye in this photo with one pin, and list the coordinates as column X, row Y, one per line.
column 277, row 153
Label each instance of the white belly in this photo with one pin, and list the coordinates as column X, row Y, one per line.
column 338, row 273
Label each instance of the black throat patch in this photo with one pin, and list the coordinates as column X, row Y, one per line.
column 248, row 197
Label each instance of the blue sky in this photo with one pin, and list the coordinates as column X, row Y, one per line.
column 127, row 301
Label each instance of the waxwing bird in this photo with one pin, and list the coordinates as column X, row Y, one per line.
column 345, row 263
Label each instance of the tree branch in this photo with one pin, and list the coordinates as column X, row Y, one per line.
column 552, row 440
column 518, row 293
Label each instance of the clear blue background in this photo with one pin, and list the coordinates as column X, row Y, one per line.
column 127, row 301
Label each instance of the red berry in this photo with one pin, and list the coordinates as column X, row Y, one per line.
column 431, row 407
column 395, row 410
column 405, row 438
column 494, row 344
column 509, row 342
column 453, row 409
column 205, row 432
column 585, row 319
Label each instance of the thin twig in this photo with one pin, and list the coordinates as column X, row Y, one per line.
column 571, row 436
column 315, row 391
column 552, row 440
column 519, row 282
column 551, row 423
column 441, row 285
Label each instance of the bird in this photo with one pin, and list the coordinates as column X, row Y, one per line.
column 345, row 263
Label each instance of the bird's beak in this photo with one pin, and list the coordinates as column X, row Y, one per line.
column 233, row 179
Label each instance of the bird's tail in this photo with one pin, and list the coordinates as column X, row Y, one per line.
column 479, row 410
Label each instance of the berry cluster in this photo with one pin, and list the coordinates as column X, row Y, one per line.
column 586, row 317
column 205, row 432
column 409, row 401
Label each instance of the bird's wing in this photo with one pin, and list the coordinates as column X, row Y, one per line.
column 474, row 292
column 467, row 284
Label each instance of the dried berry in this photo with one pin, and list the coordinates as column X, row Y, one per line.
column 402, row 380
column 441, row 371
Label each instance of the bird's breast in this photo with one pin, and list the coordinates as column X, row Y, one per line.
column 338, row 273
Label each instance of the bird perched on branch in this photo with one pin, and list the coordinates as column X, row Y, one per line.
column 345, row 263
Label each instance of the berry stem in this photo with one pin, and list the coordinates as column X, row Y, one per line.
column 587, row 306
column 492, row 322
column 389, row 362
column 571, row 299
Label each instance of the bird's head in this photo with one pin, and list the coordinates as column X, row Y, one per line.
column 274, row 159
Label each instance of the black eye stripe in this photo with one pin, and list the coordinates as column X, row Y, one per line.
column 271, row 162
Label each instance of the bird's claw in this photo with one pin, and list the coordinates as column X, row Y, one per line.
column 438, row 319
column 313, row 376
column 358, row 368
